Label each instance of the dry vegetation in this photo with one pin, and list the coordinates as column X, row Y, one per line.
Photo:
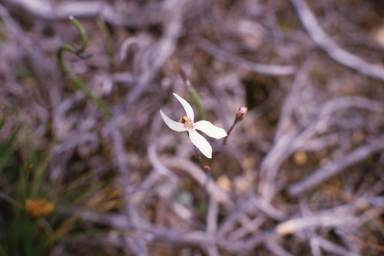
column 302, row 174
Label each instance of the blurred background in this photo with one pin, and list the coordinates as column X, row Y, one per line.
column 88, row 167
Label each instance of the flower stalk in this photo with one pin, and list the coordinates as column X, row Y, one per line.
column 239, row 116
column 194, row 95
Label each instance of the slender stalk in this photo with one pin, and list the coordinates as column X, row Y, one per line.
column 206, row 185
column 229, row 132
column 99, row 102
column 195, row 96
column 108, row 43
column 207, row 170
column 199, row 156
column 239, row 116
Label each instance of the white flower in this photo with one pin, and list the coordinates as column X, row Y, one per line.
column 187, row 125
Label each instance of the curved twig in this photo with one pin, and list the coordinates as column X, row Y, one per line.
column 318, row 35
column 276, row 70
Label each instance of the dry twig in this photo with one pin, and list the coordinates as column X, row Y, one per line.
column 334, row 51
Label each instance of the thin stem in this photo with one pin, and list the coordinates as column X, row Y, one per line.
column 207, row 170
column 71, row 48
column 90, row 95
column 62, row 64
column 206, row 185
column 83, row 34
column 75, row 79
column 229, row 131
column 199, row 156
column 195, row 96
column 108, row 42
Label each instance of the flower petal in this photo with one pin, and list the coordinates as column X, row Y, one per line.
column 178, row 127
column 210, row 129
column 188, row 109
column 201, row 143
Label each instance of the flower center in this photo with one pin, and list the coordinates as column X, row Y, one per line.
column 185, row 120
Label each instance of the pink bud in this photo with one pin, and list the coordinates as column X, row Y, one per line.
column 241, row 113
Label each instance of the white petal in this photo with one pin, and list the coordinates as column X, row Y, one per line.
column 178, row 127
column 210, row 129
column 201, row 143
column 188, row 109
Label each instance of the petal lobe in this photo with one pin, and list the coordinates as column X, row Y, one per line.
column 201, row 143
column 210, row 129
column 187, row 107
column 176, row 126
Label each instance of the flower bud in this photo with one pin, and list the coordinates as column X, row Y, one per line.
column 241, row 113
